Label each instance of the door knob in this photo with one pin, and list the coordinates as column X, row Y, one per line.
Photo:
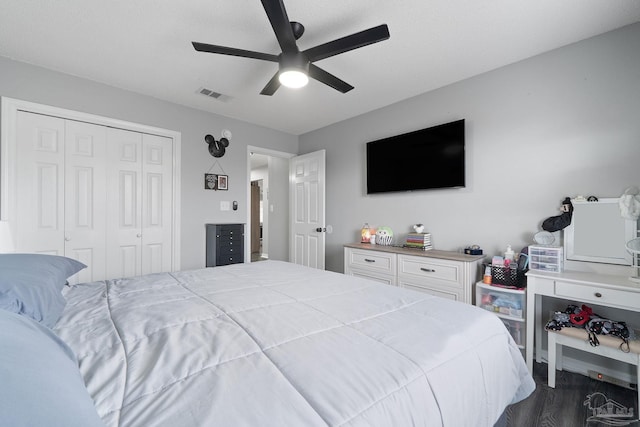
column 138, row 235
column 321, row 229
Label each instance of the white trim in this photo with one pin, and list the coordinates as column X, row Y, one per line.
column 9, row 108
column 583, row 367
column 268, row 152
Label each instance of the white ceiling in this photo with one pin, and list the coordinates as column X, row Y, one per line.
column 145, row 46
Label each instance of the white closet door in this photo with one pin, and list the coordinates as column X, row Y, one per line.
column 157, row 191
column 78, row 185
column 85, row 198
column 124, row 201
column 39, row 218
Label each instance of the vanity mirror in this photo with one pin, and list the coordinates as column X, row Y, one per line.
column 598, row 233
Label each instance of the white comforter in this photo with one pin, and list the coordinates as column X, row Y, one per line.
column 277, row 344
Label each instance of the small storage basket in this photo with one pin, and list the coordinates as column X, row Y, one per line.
column 507, row 276
column 384, row 240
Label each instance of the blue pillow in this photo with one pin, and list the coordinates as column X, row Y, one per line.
column 31, row 284
column 41, row 383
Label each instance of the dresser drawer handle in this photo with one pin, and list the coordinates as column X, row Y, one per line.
column 428, row 270
column 598, row 295
column 369, row 260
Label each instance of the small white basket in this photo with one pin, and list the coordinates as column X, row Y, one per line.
column 384, row 240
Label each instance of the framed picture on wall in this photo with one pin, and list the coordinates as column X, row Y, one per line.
column 211, row 181
column 223, row 182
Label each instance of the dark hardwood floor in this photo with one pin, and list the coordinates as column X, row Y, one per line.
column 563, row 406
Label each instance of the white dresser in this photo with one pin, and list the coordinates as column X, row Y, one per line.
column 442, row 273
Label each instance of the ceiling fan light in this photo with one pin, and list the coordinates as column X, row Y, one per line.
column 294, row 79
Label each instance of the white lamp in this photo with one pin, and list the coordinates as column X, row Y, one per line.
column 6, row 241
column 633, row 246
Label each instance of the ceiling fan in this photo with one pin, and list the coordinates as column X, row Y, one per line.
column 295, row 67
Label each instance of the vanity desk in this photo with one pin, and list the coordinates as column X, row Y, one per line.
column 581, row 287
column 597, row 235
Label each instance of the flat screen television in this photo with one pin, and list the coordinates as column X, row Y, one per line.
column 424, row 159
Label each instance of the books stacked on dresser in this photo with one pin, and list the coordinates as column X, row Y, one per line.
column 419, row 241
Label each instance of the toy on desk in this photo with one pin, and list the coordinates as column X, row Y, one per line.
column 384, row 236
column 557, row 223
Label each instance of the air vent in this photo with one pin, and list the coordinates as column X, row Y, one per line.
column 213, row 94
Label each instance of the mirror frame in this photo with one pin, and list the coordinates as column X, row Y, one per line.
column 630, row 230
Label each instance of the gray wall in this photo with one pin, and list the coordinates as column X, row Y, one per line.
column 199, row 206
column 563, row 123
column 279, row 201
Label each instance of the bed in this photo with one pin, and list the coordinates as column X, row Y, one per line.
column 269, row 344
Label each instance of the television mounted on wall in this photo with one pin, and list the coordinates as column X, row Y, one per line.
column 425, row 159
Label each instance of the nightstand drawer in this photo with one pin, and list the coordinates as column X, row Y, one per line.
column 598, row 295
column 430, row 269
column 376, row 261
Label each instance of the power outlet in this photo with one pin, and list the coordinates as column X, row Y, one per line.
column 611, row 380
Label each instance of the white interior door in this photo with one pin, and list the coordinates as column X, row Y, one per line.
column 307, row 209
column 85, row 198
column 39, row 171
column 124, row 189
column 157, row 167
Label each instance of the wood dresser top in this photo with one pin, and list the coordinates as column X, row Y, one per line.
column 431, row 253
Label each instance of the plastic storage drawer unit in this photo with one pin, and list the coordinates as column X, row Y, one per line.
column 545, row 258
column 508, row 304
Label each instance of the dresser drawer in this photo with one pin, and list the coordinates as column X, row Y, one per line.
column 228, row 250
column 230, row 231
column 228, row 244
column 598, row 295
column 229, row 259
column 373, row 261
column 430, row 269
column 442, row 293
column 387, row 279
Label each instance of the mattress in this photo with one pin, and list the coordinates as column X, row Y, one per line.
column 277, row 344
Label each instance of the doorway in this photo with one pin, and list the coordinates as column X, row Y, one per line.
column 268, row 202
column 258, row 252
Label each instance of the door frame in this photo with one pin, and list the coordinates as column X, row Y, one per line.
column 9, row 108
column 267, row 152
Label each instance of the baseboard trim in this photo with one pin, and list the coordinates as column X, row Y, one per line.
column 582, row 367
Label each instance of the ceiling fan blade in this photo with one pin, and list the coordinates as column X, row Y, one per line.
column 272, row 86
column 329, row 79
column 279, row 20
column 211, row 48
column 347, row 43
